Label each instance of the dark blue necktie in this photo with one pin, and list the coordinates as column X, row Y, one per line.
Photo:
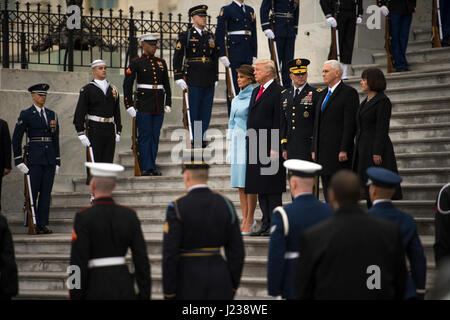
column 326, row 100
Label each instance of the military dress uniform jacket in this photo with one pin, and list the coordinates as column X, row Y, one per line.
column 199, row 56
column 92, row 101
column 106, row 230
column 415, row 287
column 399, row 6
column 150, row 72
column 198, row 224
column 43, row 137
column 329, row 7
column 285, row 12
column 335, row 256
column 297, row 121
column 304, row 212
column 241, row 47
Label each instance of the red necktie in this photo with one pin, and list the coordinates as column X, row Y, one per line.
column 261, row 89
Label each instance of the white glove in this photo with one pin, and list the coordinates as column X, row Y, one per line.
column 332, row 22
column 216, row 83
column 225, row 61
column 182, row 84
column 384, row 10
column 57, row 169
column 132, row 111
column 269, row 34
column 23, row 168
column 117, row 137
column 254, row 59
column 84, row 140
column 167, row 109
column 358, row 20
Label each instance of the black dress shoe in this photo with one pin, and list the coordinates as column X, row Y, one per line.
column 46, row 230
column 38, row 230
column 147, row 173
column 156, row 172
column 263, row 231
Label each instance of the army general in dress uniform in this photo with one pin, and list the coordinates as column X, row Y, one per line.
column 284, row 15
column 195, row 60
column 297, row 113
column 153, row 99
column 101, row 236
column 383, row 184
column 41, row 127
column 198, row 225
column 288, row 223
column 237, row 24
column 97, row 115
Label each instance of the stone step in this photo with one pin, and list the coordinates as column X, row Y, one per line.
column 421, row 35
column 422, row 145
column 415, row 45
column 425, row 175
column 420, row 131
column 417, row 56
column 423, row 160
column 431, row 65
column 420, row 117
column 420, row 104
column 399, row 79
column 424, row 90
column 250, row 287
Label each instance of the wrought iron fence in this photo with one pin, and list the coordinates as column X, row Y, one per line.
column 42, row 37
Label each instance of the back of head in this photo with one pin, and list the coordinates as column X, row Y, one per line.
column 345, row 186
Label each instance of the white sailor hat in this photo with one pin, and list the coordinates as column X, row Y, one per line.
column 302, row 168
column 152, row 38
column 97, row 63
column 101, row 169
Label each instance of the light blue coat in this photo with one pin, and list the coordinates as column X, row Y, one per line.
column 237, row 127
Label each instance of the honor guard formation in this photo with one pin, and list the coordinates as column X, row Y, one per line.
column 282, row 132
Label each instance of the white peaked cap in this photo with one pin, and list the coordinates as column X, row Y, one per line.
column 149, row 37
column 101, row 169
column 97, row 63
column 302, row 168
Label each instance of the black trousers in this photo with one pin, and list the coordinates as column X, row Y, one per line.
column 346, row 26
column 268, row 202
column 103, row 142
column 1, row 179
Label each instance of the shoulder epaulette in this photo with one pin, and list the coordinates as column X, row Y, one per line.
column 319, row 90
column 283, row 90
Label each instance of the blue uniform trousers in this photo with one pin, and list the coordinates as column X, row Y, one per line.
column 200, row 104
column 41, row 186
column 399, row 25
column 149, row 129
column 445, row 18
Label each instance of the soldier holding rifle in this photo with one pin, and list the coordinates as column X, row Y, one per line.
column 236, row 42
column 153, row 99
column 41, row 159
column 281, row 28
column 343, row 16
column 195, row 66
column 97, row 116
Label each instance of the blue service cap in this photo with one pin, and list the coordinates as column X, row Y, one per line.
column 40, row 88
column 383, row 178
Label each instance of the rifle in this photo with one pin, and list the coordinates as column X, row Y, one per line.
column 29, row 203
column 229, row 79
column 436, row 25
column 387, row 46
column 273, row 47
column 187, row 114
column 335, row 50
column 316, row 187
column 137, row 167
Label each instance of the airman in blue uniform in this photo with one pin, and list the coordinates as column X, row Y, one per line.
column 237, row 24
column 383, row 183
column 288, row 223
column 42, row 151
column 284, row 18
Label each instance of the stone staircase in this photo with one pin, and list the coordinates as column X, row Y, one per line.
column 419, row 130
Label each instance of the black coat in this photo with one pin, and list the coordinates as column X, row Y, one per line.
column 107, row 230
column 198, row 224
column 8, row 268
column 335, row 256
column 334, row 128
column 372, row 137
column 264, row 114
column 5, row 147
column 297, row 121
column 399, row 6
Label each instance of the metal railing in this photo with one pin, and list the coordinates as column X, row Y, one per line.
column 41, row 36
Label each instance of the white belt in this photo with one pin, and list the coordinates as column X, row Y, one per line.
column 291, row 255
column 100, row 119
column 106, row 262
column 240, row 32
column 150, row 86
